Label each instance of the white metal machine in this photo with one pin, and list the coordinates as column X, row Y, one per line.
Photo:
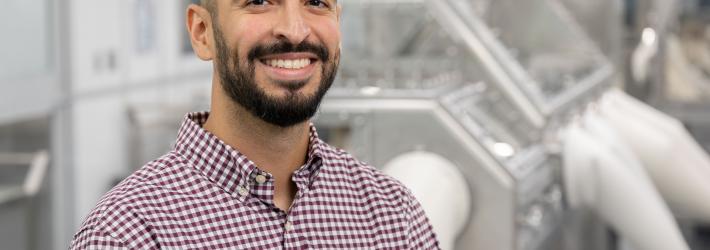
column 461, row 88
column 479, row 90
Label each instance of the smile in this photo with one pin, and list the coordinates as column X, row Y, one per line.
column 289, row 64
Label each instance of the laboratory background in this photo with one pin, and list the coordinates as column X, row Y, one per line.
column 518, row 124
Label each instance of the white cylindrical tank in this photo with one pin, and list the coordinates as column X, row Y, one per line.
column 440, row 188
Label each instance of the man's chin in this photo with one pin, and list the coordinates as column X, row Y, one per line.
column 291, row 91
column 291, row 100
column 292, row 87
column 288, row 117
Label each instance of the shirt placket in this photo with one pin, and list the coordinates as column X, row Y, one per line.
column 261, row 187
column 292, row 227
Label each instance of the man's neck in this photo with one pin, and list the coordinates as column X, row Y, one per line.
column 271, row 147
column 277, row 150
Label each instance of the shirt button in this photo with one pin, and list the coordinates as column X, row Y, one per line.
column 260, row 179
column 288, row 226
column 242, row 191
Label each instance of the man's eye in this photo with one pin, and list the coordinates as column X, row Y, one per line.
column 257, row 2
column 317, row 3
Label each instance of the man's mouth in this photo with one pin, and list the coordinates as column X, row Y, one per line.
column 288, row 63
column 289, row 60
column 290, row 66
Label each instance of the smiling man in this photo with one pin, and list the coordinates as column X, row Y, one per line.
column 252, row 173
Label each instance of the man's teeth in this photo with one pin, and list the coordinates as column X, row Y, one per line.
column 289, row 64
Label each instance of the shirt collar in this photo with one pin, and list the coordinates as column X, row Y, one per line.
column 226, row 166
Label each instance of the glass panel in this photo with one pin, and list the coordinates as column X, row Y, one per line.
column 417, row 56
column 413, row 56
column 545, row 51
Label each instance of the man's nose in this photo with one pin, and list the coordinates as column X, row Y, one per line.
column 291, row 24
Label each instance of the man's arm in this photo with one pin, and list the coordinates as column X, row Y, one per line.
column 421, row 234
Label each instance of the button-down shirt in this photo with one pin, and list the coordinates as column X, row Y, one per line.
column 205, row 194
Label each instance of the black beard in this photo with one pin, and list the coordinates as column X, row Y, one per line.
column 238, row 81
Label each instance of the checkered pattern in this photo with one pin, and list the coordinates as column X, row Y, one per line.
column 204, row 195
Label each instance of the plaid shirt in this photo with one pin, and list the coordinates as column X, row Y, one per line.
column 206, row 195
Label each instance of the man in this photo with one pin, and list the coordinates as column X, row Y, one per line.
column 252, row 173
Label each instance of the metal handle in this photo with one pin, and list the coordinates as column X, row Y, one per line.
column 37, row 164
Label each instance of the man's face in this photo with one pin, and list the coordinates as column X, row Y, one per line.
column 277, row 58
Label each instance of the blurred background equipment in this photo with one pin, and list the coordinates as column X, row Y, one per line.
column 519, row 125
column 21, row 177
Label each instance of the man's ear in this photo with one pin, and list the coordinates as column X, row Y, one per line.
column 339, row 9
column 199, row 28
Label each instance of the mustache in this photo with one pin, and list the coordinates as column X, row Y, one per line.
column 282, row 46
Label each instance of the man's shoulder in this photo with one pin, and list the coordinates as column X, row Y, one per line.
column 152, row 186
column 348, row 169
column 166, row 172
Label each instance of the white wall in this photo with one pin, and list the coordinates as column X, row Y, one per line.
column 113, row 68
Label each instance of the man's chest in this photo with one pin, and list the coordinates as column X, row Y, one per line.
column 320, row 219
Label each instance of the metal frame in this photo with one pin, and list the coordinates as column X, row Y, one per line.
column 476, row 41
column 62, row 133
column 505, row 191
column 518, row 88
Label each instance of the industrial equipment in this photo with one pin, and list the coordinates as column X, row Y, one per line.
column 482, row 89
column 21, row 177
column 457, row 82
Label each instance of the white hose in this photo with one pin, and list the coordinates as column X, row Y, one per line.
column 440, row 188
column 596, row 179
column 608, row 136
column 679, row 167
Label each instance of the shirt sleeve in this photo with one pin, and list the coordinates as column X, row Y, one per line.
column 90, row 238
column 421, row 234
